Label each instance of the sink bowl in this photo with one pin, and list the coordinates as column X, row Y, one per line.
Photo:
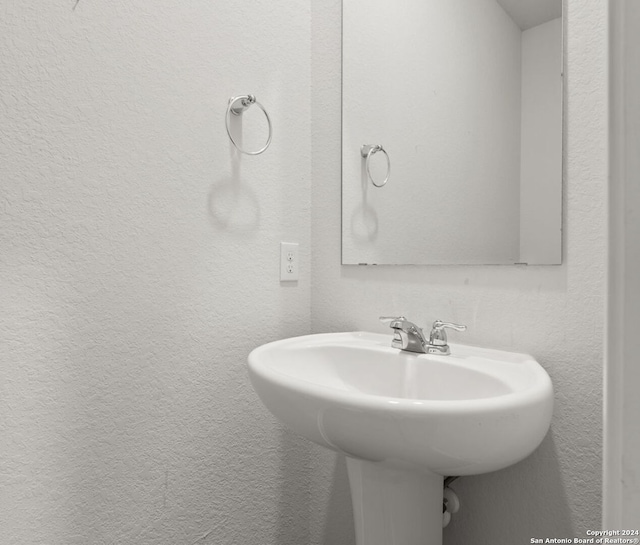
column 473, row 411
column 404, row 420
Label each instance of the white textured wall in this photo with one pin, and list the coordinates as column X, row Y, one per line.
column 555, row 313
column 139, row 264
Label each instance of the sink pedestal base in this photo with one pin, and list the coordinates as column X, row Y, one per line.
column 395, row 506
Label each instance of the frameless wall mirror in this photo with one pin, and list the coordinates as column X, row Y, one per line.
column 452, row 132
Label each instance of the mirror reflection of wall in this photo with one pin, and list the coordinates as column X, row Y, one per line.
column 465, row 96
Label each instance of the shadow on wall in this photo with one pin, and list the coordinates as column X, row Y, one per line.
column 338, row 526
column 326, row 520
column 293, row 522
column 496, row 507
column 233, row 205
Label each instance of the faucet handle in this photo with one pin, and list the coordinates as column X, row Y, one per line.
column 438, row 336
column 393, row 321
column 439, row 325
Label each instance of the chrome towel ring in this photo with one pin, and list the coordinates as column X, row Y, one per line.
column 367, row 150
column 237, row 105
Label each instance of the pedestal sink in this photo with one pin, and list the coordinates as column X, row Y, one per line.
column 403, row 420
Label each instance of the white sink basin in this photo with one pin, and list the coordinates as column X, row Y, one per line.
column 399, row 413
column 473, row 411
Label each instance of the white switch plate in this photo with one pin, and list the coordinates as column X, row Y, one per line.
column 289, row 261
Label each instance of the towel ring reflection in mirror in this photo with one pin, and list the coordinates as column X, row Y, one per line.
column 237, row 105
column 367, row 151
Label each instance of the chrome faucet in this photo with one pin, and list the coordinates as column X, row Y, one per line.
column 408, row 336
